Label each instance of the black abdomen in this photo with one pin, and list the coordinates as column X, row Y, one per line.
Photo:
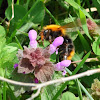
column 66, row 50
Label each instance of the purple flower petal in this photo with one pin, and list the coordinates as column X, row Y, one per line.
column 61, row 65
column 65, row 63
column 58, row 41
column 57, row 51
column 58, row 67
column 33, row 44
column 52, row 49
column 15, row 65
column 36, row 80
column 64, row 73
column 32, row 35
column 23, row 72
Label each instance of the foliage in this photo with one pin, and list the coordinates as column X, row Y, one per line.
column 35, row 14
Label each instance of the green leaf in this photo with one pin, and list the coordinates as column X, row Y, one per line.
column 83, row 88
column 9, row 2
column 0, row 95
column 84, row 42
column 4, row 90
column 27, row 78
column 19, row 12
column 25, row 28
column 60, row 91
column 79, row 90
column 69, row 96
column 76, row 6
column 1, row 71
column 81, row 63
column 51, row 16
column 84, row 24
column 10, row 93
column 2, row 31
column 96, row 46
column 7, row 54
column 37, row 13
column 48, row 92
column 96, row 3
column 0, row 2
column 23, row 20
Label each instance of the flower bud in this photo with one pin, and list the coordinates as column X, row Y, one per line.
column 32, row 35
column 65, row 63
column 33, row 44
column 15, row 65
column 52, row 49
column 58, row 41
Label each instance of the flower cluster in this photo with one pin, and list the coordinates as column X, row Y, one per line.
column 96, row 89
column 32, row 36
column 36, row 60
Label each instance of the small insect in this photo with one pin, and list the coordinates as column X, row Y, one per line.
column 67, row 50
column 50, row 32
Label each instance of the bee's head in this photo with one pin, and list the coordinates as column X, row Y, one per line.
column 45, row 34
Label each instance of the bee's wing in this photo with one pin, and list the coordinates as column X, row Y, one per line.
column 73, row 26
column 75, row 23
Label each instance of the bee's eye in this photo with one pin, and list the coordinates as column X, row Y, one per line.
column 45, row 32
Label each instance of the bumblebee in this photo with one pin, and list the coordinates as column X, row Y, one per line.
column 50, row 32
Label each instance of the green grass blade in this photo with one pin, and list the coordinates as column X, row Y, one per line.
column 4, row 90
column 22, row 21
column 76, row 6
column 0, row 96
column 83, row 88
column 18, row 43
column 10, row 93
column 60, row 90
column 79, row 90
column 81, row 63
column 84, row 42
column 96, row 3
column 84, row 23
column 51, row 16
column 86, row 92
column 78, row 1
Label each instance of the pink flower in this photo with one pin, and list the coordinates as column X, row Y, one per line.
column 32, row 35
column 33, row 44
column 64, row 72
column 36, row 61
column 36, row 80
column 91, row 25
column 15, row 65
column 57, row 42
column 61, row 66
column 52, row 49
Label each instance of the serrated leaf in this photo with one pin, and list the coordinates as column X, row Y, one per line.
column 48, row 92
column 27, row 78
column 96, row 46
column 69, row 96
